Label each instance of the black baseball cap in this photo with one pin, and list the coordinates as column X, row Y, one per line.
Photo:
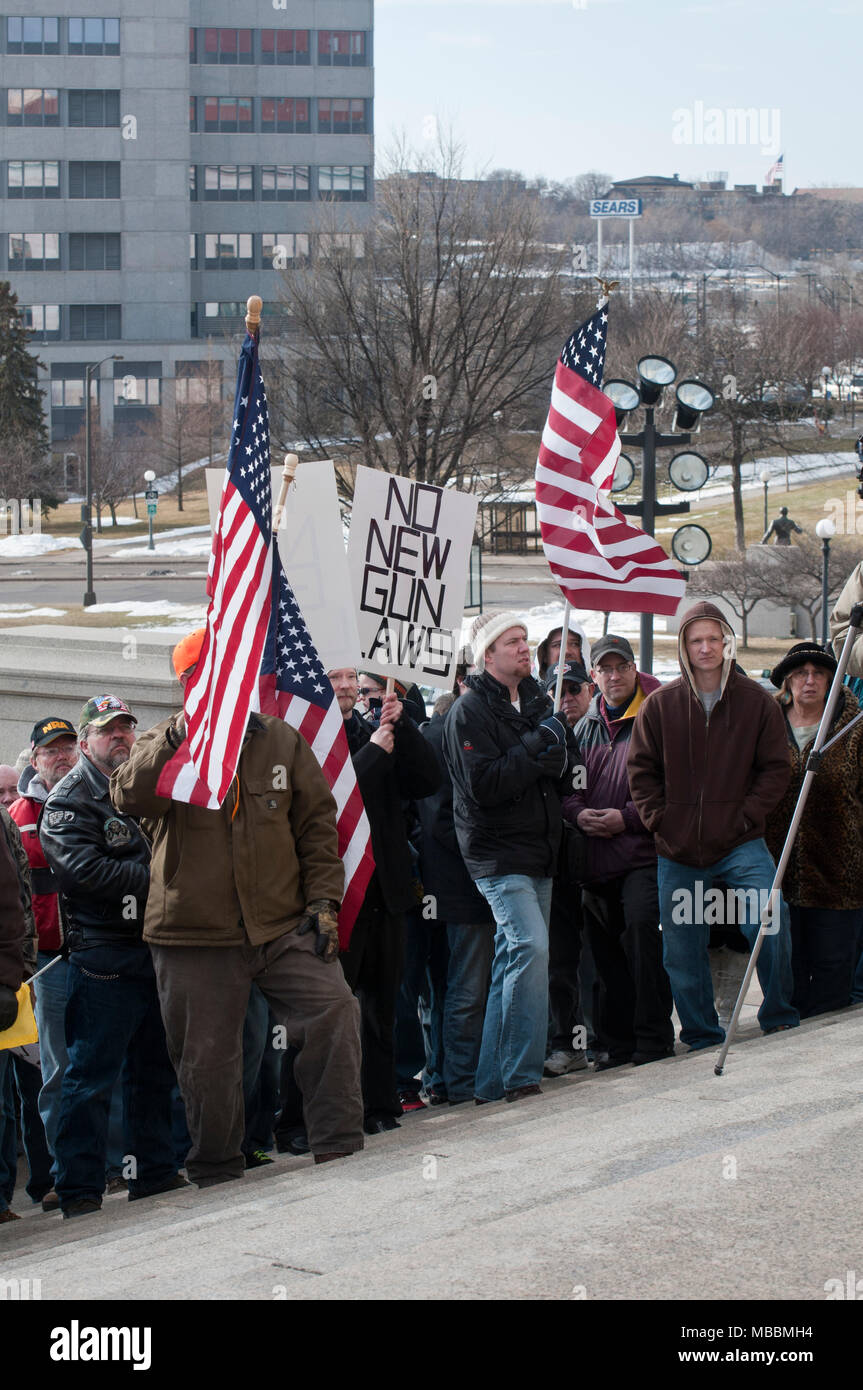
column 572, row 671
column 48, row 729
column 606, row 645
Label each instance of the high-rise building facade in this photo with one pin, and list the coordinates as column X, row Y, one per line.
column 161, row 161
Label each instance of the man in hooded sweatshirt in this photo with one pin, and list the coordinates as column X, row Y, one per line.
column 708, row 761
column 548, row 650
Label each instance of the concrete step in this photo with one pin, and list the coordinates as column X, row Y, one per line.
column 657, row 1182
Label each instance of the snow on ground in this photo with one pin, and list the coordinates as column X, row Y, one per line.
column 21, row 610
column 17, row 547
column 199, row 546
column 184, row 614
column 135, row 544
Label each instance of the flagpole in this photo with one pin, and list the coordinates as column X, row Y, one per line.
column 561, row 660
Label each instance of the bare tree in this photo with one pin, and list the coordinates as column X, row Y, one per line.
column 423, row 332
column 792, row 574
column 737, row 580
column 190, row 425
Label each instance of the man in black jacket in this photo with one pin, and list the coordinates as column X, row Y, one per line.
column 505, row 756
column 101, row 863
column 393, row 764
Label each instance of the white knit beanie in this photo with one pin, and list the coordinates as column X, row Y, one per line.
column 485, row 630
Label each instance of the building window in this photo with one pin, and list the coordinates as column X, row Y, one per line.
column 224, row 309
column 228, row 114
column 33, row 178
column 43, row 321
column 289, row 47
column 346, row 245
column 341, row 183
column 94, row 178
column 94, row 250
column 228, row 183
column 341, row 116
column 228, row 251
column 197, row 383
column 94, row 36
column 137, row 384
column 94, row 108
column 279, row 249
column 69, row 390
column 34, row 250
column 32, row 35
column 226, row 46
column 32, row 106
column 94, row 322
column 193, row 183
column 345, row 48
column 193, row 251
column 284, row 183
column 193, row 122
column 285, row 114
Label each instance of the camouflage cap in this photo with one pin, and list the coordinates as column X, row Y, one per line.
column 101, row 709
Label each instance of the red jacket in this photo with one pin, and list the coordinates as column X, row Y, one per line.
column 25, row 813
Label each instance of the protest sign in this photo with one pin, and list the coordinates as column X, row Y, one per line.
column 408, row 555
column 312, row 547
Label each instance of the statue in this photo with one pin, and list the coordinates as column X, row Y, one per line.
column 781, row 527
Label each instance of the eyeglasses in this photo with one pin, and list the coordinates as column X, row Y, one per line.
column 572, row 687
column 614, row 670
column 366, row 690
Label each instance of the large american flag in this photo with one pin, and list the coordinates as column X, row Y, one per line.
column 599, row 559
column 257, row 652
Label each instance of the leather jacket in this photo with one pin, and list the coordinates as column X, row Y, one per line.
column 100, row 860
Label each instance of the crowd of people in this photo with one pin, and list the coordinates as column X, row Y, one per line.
column 557, row 849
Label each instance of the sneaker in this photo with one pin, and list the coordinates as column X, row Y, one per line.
column 114, row 1186
column 258, row 1158
column 51, row 1202
column 565, row 1059
column 779, row 1028
column 410, row 1100
column 84, row 1206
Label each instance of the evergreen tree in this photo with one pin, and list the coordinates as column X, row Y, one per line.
column 24, row 447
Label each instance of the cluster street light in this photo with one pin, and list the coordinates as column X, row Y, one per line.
column 688, row 471
column 87, row 508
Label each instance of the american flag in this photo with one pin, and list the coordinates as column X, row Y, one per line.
column 599, row 559
column 775, row 170
column 257, row 652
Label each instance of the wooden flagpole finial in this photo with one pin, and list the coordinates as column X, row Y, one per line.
column 254, row 305
column 289, row 469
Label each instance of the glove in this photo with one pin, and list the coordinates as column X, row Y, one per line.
column 321, row 917
column 535, row 740
column 552, row 761
column 8, row 1007
column 555, row 725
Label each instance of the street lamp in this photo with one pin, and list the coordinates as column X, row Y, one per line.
column 87, row 509
column 765, row 476
column 824, row 529
column 655, row 373
column 150, row 477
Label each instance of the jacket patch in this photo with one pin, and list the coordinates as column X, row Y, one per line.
column 60, row 817
column 468, row 747
column 117, row 832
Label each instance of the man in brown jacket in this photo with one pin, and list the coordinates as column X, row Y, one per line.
column 708, row 760
column 247, row 892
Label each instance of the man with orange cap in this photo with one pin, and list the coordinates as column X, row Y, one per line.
column 247, row 893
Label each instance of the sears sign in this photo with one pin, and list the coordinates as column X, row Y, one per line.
column 615, row 207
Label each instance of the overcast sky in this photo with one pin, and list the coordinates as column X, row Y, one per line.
column 556, row 87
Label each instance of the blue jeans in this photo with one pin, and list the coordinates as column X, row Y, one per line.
column 516, row 1017
column 8, row 1132
column 114, row 1029
column 50, row 1012
column 684, row 942
column 470, row 953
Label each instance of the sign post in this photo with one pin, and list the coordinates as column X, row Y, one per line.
column 630, row 208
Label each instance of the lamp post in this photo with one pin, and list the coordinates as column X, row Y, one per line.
column 87, row 509
column 764, row 475
column 655, row 373
column 150, row 478
column 824, row 529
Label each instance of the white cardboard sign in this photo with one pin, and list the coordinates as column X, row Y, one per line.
column 408, row 556
column 312, row 547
